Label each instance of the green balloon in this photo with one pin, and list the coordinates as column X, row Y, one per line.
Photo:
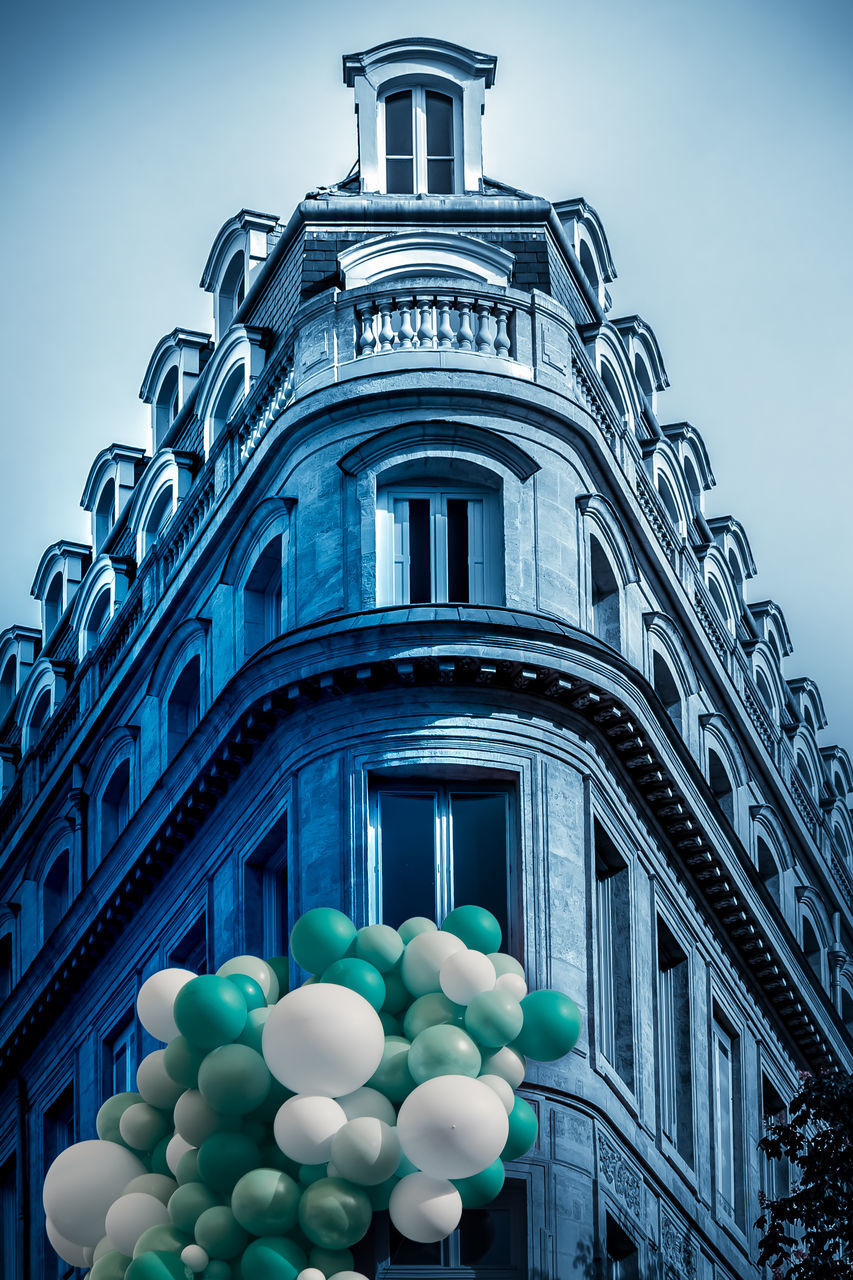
column 393, row 1077
column 187, row 1170
column 223, row 1158
column 161, row 1239
column 506, row 964
column 219, row 1233
column 234, row 1079
column 106, row 1122
column 397, row 994
column 216, row 1269
column 158, row 1266
column 523, row 1130
column 443, row 1051
column 159, row 1163
column 320, row 937
column 272, row 1258
column 390, row 1025
column 210, row 1011
column 266, row 1202
column 476, row 926
column 143, row 1126
column 379, row 945
column 493, row 1018
column 188, row 1203
column 552, row 1024
column 481, row 1188
column 311, row 1173
column 272, row 1157
column 182, row 1061
column 334, row 1213
column 269, row 1108
column 359, row 976
column 380, row 1195
column 405, row 1167
column 432, row 1011
column 253, row 1032
column 251, row 991
column 330, row 1261
column 280, row 966
column 112, row 1266
column 414, row 925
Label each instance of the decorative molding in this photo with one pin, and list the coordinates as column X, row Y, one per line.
column 613, row 1166
column 679, row 1255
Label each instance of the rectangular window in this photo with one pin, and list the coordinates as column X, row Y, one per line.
column 58, row 1134
column 121, row 1059
column 265, row 927
column 441, row 845
column 191, row 951
column 489, row 1243
column 399, row 144
column 775, row 1174
column 676, row 1080
column 623, row 1257
column 728, row 1143
column 9, row 1263
column 615, row 1000
column 435, row 546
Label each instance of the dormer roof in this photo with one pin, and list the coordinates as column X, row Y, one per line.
column 231, row 232
column 177, row 340
column 400, row 56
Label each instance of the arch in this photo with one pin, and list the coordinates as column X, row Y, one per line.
column 241, row 246
column 8, row 683
column 586, row 257
column 812, row 905
column 169, row 472
column 56, row 892
column 730, row 537
column 187, row 639
column 438, row 435
column 669, row 481
column 846, row 1006
column 183, row 706
column 718, row 734
column 604, row 596
column 769, row 871
column 263, row 597
column 53, row 602
column 230, row 396
column 37, row 704
column 768, row 682
column 111, row 790
column 808, row 701
column 617, row 374
column 232, row 290
column 115, row 806
column 167, row 403
column 721, row 784
column 230, row 375
column 8, row 957
column 154, row 525
column 180, row 685
column 839, row 769
column 806, row 759
column 667, row 689
column 718, row 581
column 601, row 518
column 811, row 945
column 100, row 595
column 171, row 376
column 433, row 253
column 104, row 513
column 771, row 853
column 268, row 518
column 841, row 828
column 663, row 635
column 256, row 566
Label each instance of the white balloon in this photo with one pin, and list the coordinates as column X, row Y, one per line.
column 77, row 1255
column 368, row 1102
column 194, row 1257
column 508, row 1063
column 154, row 1084
column 424, row 1208
column 304, row 1127
column 253, row 967
column 366, row 1151
column 155, row 1003
column 501, row 1087
column 103, row 1246
column 82, row 1183
column 423, row 958
column 153, row 1184
column 194, row 1119
column 323, row 1039
column 465, row 974
column 311, row 1273
column 130, row 1216
column 175, row 1148
column 339, row 1275
column 513, row 984
column 452, row 1126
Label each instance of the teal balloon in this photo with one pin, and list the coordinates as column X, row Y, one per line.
column 494, row 1018
column 272, row 1157
column 110, row 1266
column 280, row 966
column 504, row 963
column 552, row 1024
column 443, row 1051
column 431, row 1011
column 380, row 1195
column 320, row 937
column 393, row 1077
column 216, row 1269
column 397, row 994
column 234, row 1079
column 106, row 1122
column 334, row 1213
column 331, row 1261
column 273, row 1258
column 210, row 1011
column 523, row 1130
column 266, row 1202
column 405, row 1167
column 187, row 1170
column 182, row 1061
column 188, row 1203
column 157, row 1159
column 481, row 1189
column 161, row 1239
column 379, row 945
column 143, row 1126
column 223, row 1158
column 413, row 926
column 220, row 1234
column 253, row 1032
column 390, row 1025
column 476, row 926
column 250, row 990
column 269, row 1108
column 359, row 976
column 311, row 1173
column 158, row 1266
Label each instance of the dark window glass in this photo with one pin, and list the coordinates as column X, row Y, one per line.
column 400, row 177
column 439, row 114
column 58, row 1135
column 265, row 930
column 5, row 965
column 440, row 177
column 623, row 1259
column 605, row 597
column 120, row 1060
column 184, row 707
column 408, row 1253
column 9, row 1220
column 56, row 894
column 479, row 844
column 191, row 951
column 420, row 583
column 407, row 850
column 457, row 549
column 398, row 124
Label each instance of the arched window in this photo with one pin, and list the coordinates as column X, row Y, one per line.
column 8, row 681
column 667, row 497
column 613, row 389
column 811, row 949
column 693, row 486
column 768, row 871
column 39, row 718
column 588, row 266
column 737, row 572
column 115, row 807
column 105, row 513
column 52, row 604
column 666, row 689
column 847, row 1011
column 262, row 598
column 721, row 785
column 764, row 690
column 419, row 142
column 232, row 291
column 166, row 406
column 644, row 382
column 837, row 781
column 184, row 708
column 605, row 597
column 5, row 965
column 227, row 400
column 716, row 594
column 99, row 619
column 774, row 645
column 159, row 517
column 56, row 894
column 803, row 769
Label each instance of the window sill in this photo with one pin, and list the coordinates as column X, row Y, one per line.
column 685, row 1171
column 623, row 1091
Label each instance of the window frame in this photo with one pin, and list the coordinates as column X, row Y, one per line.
column 675, row 1039
column 724, row 1034
column 608, row 1037
column 420, row 158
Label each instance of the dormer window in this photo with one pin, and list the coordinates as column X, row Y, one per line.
column 419, row 132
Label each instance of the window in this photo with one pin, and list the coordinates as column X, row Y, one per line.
column 623, row 1258
column 436, row 545
column 265, row 926
column 184, row 707
column 232, row 291
column 611, row 386
column 56, row 895
column 120, row 1060
column 262, row 599
column 768, row 871
column 39, row 718
column 728, row 1143
column 5, row 966
column 775, row 1174
column 228, row 400
column 9, row 1227
column 667, row 690
column 676, row 1079
column 8, row 681
column 115, row 807
column 58, row 1135
column 615, row 1000
column 440, row 845
column 166, row 406
column 667, row 497
column 159, row 517
column 419, row 152
column 105, row 513
column 811, row 948
column 847, row 1011
column 605, row 597
column 191, row 951
column 99, row 619
column 721, row 786
column 52, row 604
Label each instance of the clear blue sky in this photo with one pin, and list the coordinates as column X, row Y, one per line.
column 713, row 138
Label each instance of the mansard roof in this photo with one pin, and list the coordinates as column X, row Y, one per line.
column 57, row 551
column 226, row 238
column 636, row 326
column 686, row 433
column 580, row 209
column 162, row 354
column 101, row 467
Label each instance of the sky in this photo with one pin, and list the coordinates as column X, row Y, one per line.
column 714, row 139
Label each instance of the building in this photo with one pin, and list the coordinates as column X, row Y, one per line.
column 414, row 602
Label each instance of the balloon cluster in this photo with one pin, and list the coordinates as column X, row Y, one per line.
column 271, row 1127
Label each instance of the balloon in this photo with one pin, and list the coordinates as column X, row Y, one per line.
column 257, row 969
column 222, row 1159
column 219, row 1270
column 476, row 926
column 111, row 1265
column 414, row 926
column 513, row 985
column 320, row 937
column 330, row 1260
column 219, row 1233
column 366, row 1151
column 323, row 1039
column 506, row 964
column 392, row 1077
column 77, row 1254
column 187, row 1170
column 153, row 1184
column 334, row 1213
column 156, row 1266
column 154, row 1083
column 142, row 1126
column 507, row 1063
column 390, row 1025
column 397, row 994
column 501, row 1088
column 359, row 976
column 266, row 1202
column 280, row 966
column 441, row 1051
column 234, row 1079
column 482, row 1188
column 423, row 959
column 82, row 1183
column 348, row 1275
column 157, row 1158
column 176, row 1148
column 425, row 1208
column 522, row 1132
column 182, row 1061
column 210, row 1011
column 305, row 1126
column 309, row 1173
column 103, row 1246
column 195, row 1119
column 188, row 1203
column 251, row 991
column 110, row 1114
column 272, row 1258
column 311, row 1273
column 552, row 1024
column 156, row 1001
column 465, row 974
column 194, row 1257
column 380, row 945
column 452, row 1126
column 493, row 1018
column 367, row 1102
column 132, row 1214
column 253, row 1032
column 430, row 1011
column 162, row 1239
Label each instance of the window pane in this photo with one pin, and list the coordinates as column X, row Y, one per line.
column 407, row 853
column 440, row 177
column 457, row 550
column 478, row 837
column 399, row 176
column 486, row 1237
column 420, row 585
column 398, row 125
column 439, row 114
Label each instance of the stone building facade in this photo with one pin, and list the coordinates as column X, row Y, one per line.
column 415, row 601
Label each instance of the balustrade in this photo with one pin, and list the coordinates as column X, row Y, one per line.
column 436, row 322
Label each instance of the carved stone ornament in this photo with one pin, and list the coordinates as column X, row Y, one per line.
column 679, row 1255
column 620, row 1176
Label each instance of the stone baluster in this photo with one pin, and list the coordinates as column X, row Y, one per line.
column 445, row 328
column 367, row 341
column 502, row 342
column 484, row 336
column 406, row 333
column 465, row 334
column 386, row 329
column 426, row 331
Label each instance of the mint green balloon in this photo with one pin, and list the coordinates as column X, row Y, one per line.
column 106, row 1122
column 552, row 1024
column 188, row 1203
column 157, row 1266
column 481, row 1188
column 210, row 1011
column 273, row 1258
column 476, row 926
column 216, row 1269
column 380, row 1195
column 111, row 1266
column 334, row 1213
column 142, row 1126
column 234, row 1079
column 187, row 1170
column 320, row 937
column 431, row 1010
column 223, row 1158
column 331, row 1261
column 414, row 925
column 397, row 994
column 504, row 963
column 182, row 1061
column 220, row 1234
column 443, row 1051
column 493, row 1018
column 359, row 976
column 253, row 1032
column 393, row 1077
column 161, row 1239
column 523, row 1130
column 251, row 991
column 157, row 1159
column 266, row 1202
column 280, row 966
column 311, row 1173
column 379, row 945
column 390, row 1025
